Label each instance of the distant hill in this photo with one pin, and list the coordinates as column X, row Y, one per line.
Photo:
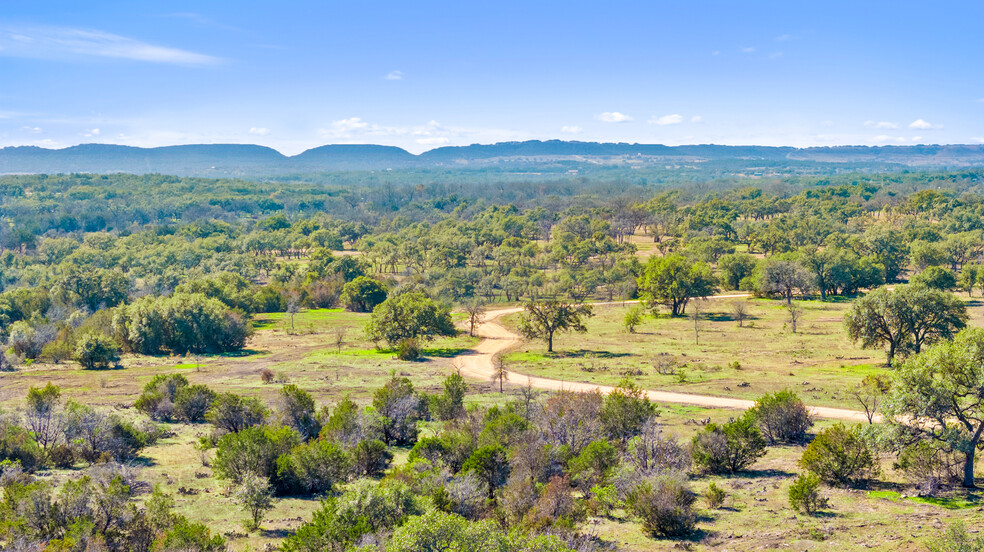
column 221, row 160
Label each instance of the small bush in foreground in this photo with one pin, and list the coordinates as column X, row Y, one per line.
column 804, row 494
column 665, row 506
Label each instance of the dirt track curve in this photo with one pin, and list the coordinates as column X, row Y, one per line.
column 497, row 339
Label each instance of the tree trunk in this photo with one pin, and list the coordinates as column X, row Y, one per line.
column 550, row 342
column 968, row 480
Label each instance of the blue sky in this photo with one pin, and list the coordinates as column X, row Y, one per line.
column 294, row 75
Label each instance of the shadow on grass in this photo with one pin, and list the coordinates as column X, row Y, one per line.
column 756, row 474
column 584, row 353
column 727, row 317
column 445, row 352
column 276, row 533
column 242, row 353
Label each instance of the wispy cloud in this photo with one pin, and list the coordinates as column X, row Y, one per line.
column 923, row 124
column 881, row 124
column 571, row 129
column 613, row 117
column 748, row 50
column 259, row 131
column 434, row 141
column 784, row 37
column 394, row 75
column 33, row 130
column 67, row 43
column 696, row 119
column 673, row 119
column 91, row 133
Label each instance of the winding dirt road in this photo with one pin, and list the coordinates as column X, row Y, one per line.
column 497, row 339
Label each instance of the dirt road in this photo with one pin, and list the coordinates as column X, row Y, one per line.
column 497, row 339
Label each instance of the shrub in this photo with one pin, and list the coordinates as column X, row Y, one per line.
column 296, row 409
column 364, row 508
column 95, row 351
column 253, row 450
column 665, row 506
column 371, row 458
column 408, row 349
column 593, row 465
column 56, row 352
column 180, row 323
column 312, row 468
column 234, row 413
column 400, row 408
column 451, row 403
column 625, row 411
column 841, row 456
column 782, row 417
column 729, row 448
column 714, row 496
column 633, row 318
column 157, row 399
column 555, row 504
column 267, row 375
column 363, row 294
column 956, row 539
column 254, row 495
column 192, row 402
column 804, row 494
column 936, row 277
column 930, row 466
column 490, row 465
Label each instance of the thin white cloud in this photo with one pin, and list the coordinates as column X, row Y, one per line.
column 91, row 133
column 784, row 37
column 748, row 50
column 978, row 139
column 696, row 119
column 884, row 138
column 571, row 129
column 259, row 131
column 673, row 119
column 775, row 55
column 613, row 117
column 923, row 124
column 33, row 130
column 66, row 43
column 888, row 125
column 917, row 138
column 435, row 141
column 716, row 53
column 394, row 75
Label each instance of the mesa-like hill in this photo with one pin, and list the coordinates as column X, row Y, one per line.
column 221, row 160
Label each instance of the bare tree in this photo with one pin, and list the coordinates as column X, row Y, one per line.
column 476, row 315
column 870, row 392
column 293, row 307
column 338, row 336
column 795, row 313
column 740, row 310
column 696, row 310
column 499, row 372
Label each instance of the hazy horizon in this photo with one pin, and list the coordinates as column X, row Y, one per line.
column 304, row 74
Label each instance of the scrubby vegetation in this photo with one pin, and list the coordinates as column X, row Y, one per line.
column 172, row 289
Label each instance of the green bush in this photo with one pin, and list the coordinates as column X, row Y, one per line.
column 192, row 402
column 96, row 352
column 715, row 496
column 804, row 494
column 956, row 539
column 782, row 417
column 729, row 448
column 841, row 456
